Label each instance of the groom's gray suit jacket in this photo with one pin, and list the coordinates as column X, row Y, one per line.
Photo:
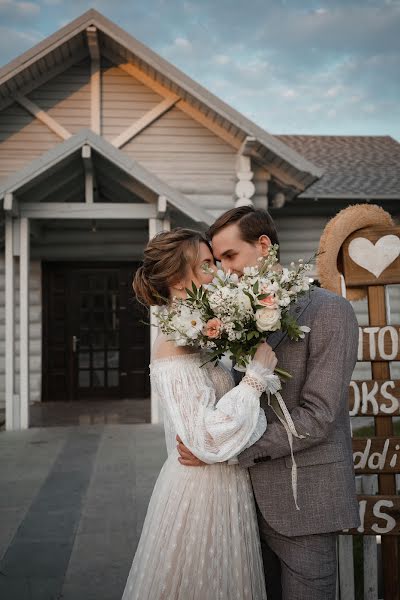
column 317, row 398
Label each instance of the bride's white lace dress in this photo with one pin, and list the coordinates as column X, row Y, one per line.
column 200, row 537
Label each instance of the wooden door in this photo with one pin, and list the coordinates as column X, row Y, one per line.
column 95, row 344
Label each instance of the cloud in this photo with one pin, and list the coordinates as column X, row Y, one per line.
column 14, row 42
column 289, row 94
column 181, row 42
column 299, row 66
column 221, row 59
column 14, row 10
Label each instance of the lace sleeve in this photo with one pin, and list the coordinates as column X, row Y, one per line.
column 213, row 432
column 261, row 378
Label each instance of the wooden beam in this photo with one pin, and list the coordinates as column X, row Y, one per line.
column 147, row 119
column 201, row 118
column 24, row 323
column 45, row 77
column 42, row 116
column 10, row 324
column 162, row 205
column 92, row 252
column 183, row 105
column 95, row 79
column 89, row 173
column 80, row 210
column 10, row 204
column 138, row 74
column 93, row 42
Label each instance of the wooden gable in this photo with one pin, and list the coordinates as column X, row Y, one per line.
column 22, row 139
column 93, row 74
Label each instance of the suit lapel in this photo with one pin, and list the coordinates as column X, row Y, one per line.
column 295, row 310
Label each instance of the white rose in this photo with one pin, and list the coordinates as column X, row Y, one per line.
column 268, row 319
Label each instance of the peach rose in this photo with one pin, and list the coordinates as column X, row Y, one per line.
column 270, row 301
column 212, row 328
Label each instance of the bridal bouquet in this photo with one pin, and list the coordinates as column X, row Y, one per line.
column 232, row 315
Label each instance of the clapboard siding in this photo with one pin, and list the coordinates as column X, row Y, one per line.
column 187, row 156
column 299, row 236
column 66, row 98
column 22, row 139
column 35, row 330
column 124, row 100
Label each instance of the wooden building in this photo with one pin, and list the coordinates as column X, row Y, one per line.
column 102, row 144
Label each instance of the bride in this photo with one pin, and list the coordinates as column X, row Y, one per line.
column 200, row 537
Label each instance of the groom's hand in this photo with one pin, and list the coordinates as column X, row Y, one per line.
column 186, row 457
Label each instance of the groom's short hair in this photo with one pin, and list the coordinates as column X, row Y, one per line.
column 252, row 223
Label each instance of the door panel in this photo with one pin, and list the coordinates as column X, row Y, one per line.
column 94, row 343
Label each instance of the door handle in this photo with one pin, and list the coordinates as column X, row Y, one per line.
column 75, row 341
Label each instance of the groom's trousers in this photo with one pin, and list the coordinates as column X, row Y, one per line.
column 298, row 568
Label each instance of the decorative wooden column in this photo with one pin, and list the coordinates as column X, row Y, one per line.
column 245, row 188
column 12, row 418
column 156, row 225
column 24, row 322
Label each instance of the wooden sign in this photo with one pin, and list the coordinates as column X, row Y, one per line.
column 379, row 515
column 372, row 257
column 376, row 455
column 374, row 398
column 379, row 343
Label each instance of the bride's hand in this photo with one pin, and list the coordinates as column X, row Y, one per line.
column 186, row 457
column 265, row 356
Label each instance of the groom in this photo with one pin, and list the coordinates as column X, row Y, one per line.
column 299, row 546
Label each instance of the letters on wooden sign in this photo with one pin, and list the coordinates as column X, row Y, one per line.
column 379, row 515
column 374, row 398
column 376, row 455
column 379, row 343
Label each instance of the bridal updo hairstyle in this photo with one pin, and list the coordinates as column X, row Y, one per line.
column 168, row 257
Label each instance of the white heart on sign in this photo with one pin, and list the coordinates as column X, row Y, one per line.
column 375, row 258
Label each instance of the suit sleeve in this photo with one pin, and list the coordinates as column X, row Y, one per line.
column 332, row 356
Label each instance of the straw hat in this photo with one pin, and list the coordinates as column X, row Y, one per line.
column 337, row 230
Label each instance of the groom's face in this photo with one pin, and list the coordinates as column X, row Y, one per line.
column 234, row 253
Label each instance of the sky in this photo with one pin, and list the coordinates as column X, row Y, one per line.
column 293, row 66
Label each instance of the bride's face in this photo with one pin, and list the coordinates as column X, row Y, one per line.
column 197, row 273
column 205, row 261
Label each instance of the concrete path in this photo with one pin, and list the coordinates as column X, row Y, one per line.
column 72, row 505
